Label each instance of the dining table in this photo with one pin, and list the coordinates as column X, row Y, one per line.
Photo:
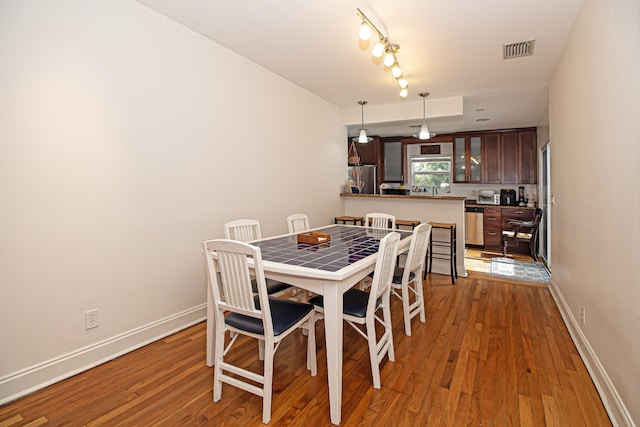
column 328, row 268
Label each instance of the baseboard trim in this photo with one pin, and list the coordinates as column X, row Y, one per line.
column 21, row 383
column 613, row 404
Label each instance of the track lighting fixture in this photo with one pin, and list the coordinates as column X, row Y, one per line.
column 383, row 47
column 362, row 138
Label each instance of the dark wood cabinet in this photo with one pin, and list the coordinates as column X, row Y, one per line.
column 368, row 151
column 496, row 219
column 467, row 155
column 491, row 159
column 520, row 214
column 492, row 223
column 509, row 157
column 528, row 145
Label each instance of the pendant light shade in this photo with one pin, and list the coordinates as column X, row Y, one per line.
column 424, row 130
column 362, row 138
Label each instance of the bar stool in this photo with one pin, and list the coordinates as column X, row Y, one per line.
column 353, row 219
column 451, row 244
column 406, row 223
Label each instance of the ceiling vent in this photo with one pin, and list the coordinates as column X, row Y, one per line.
column 518, row 50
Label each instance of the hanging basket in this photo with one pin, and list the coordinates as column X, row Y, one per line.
column 354, row 157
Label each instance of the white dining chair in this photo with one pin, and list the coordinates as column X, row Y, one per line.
column 298, row 223
column 247, row 230
column 243, row 230
column 380, row 220
column 407, row 280
column 237, row 310
column 362, row 308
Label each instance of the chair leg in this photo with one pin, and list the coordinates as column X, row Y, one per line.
column 420, row 298
column 218, row 359
column 268, row 382
column 373, row 351
column 406, row 305
column 388, row 327
column 312, row 363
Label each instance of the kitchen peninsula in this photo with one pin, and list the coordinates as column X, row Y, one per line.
column 418, row 207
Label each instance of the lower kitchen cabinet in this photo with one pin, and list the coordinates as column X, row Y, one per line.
column 520, row 214
column 492, row 223
column 497, row 219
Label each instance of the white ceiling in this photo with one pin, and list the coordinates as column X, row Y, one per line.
column 447, row 48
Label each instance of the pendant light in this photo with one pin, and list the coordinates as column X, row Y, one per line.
column 362, row 138
column 424, row 130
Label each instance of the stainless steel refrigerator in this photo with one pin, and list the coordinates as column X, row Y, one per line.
column 367, row 178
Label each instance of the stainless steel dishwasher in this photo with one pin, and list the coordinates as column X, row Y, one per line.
column 473, row 228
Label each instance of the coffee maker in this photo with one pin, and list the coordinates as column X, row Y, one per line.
column 521, row 199
column 508, row 197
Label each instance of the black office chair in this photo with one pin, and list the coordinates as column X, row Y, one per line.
column 524, row 231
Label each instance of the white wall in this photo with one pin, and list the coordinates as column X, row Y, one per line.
column 595, row 171
column 125, row 141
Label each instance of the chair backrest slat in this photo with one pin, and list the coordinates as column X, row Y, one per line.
column 385, row 266
column 236, row 280
column 242, row 230
column 417, row 250
column 230, row 277
column 298, row 223
column 380, row 220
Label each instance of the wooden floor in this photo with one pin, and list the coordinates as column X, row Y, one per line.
column 491, row 353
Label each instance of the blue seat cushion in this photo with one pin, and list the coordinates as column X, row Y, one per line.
column 397, row 275
column 273, row 286
column 354, row 302
column 284, row 314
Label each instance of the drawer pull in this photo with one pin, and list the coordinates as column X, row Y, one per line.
column 519, row 212
column 491, row 234
column 491, row 219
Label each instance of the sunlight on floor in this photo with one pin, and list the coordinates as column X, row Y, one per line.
column 479, row 260
column 478, row 265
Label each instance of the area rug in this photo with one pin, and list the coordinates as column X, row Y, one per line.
column 507, row 267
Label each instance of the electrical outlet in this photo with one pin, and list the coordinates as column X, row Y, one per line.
column 582, row 315
column 91, row 319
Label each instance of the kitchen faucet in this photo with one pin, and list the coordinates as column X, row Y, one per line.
column 434, row 191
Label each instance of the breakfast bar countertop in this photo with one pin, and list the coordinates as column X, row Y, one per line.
column 474, row 204
column 394, row 196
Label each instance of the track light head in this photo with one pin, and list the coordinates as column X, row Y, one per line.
column 365, row 31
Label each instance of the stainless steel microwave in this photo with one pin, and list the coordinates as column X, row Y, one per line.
column 492, row 199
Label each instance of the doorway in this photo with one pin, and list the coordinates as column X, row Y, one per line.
column 545, row 204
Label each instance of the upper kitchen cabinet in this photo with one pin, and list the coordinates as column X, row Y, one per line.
column 467, row 153
column 491, row 159
column 392, row 162
column 509, row 158
column 528, row 145
column 368, row 151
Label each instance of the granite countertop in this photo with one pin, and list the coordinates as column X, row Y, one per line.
column 472, row 203
column 394, row 196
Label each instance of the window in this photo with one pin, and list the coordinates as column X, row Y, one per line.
column 429, row 172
